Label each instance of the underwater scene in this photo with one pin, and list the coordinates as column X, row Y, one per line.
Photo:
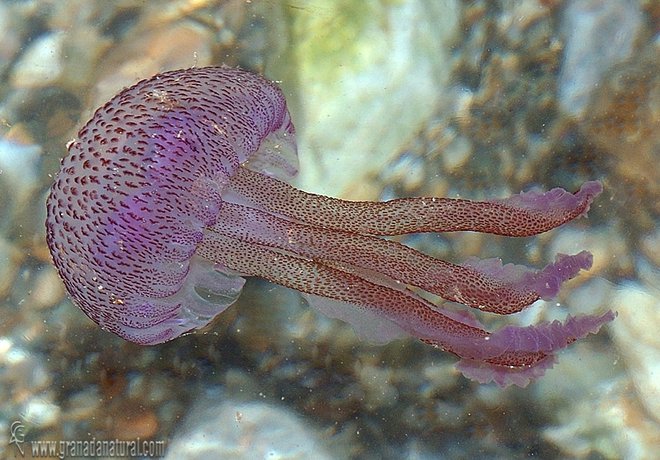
column 344, row 229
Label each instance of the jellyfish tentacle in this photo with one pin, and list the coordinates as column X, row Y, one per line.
column 526, row 214
column 512, row 355
column 531, row 349
column 400, row 306
column 484, row 284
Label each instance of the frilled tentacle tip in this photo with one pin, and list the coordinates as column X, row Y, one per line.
column 557, row 199
column 484, row 372
column 546, row 282
column 544, row 338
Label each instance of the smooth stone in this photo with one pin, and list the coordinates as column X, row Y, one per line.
column 41, row 65
column 244, row 430
column 650, row 246
column 47, row 290
column 635, row 332
column 9, row 264
column 150, row 52
column 9, row 37
column 40, row 411
column 367, row 83
column 377, row 386
column 587, row 26
column 457, row 153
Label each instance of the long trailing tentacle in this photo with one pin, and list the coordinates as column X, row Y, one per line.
column 525, row 214
column 400, row 306
column 483, row 284
column 512, row 355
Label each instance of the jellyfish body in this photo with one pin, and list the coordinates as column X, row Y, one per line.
column 176, row 189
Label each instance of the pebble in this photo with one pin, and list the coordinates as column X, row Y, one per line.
column 156, row 387
column 440, row 378
column 406, row 171
column 650, row 246
column 24, row 369
column 48, row 289
column 587, row 25
column 24, row 383
column 40, row 411
column 134, row 421
column 377, row 386
column 457, row 153
column 143, row 54
column 8, row 37
column 83, row 405
column 635, row 332
column 605, row 423
column 240, row 430
column 19, row 169
column 608, row 246
column 9, row 263
column 516, row 20
column 621, row 121
column 41, row 64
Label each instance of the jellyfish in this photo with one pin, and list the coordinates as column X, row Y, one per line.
column 178, row 188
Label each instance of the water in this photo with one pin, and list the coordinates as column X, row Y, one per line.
column 418, row 97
